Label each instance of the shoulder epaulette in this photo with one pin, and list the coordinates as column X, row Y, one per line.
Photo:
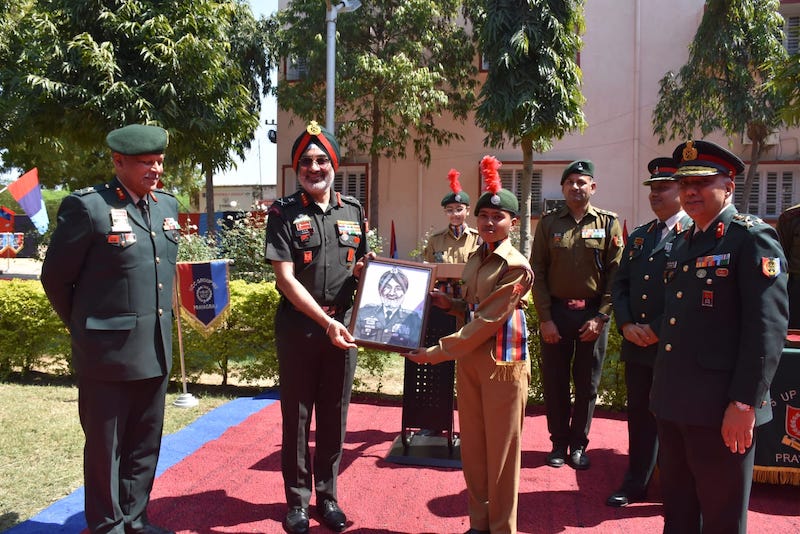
column 646, row 226
column 440, row 232
column 164, row 192
column 551, row 211
column 747, row 220
column 606, row 212
column 89, row 190
column 350, row 200
column 471, row 230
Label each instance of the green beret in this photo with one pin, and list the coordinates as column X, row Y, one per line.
column 319, row 136
column 502, row 200
column 136, row 139
column 584, row 167
column 452, row 198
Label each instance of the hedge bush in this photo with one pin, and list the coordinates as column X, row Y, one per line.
column 242, row 347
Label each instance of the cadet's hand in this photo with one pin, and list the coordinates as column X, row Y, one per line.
column 358, row 268
column 737, row 428
column 549, row 332
column 441, row 300
column 340, row 335
column 591, row 329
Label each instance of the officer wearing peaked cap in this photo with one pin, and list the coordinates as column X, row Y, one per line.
column 576, row 253
column 723, row 330
column 638, row 296
column 109, row 274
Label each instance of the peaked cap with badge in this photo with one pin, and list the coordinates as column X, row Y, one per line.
column 704, row 158
column 495, row 196
column 136, row 139
column 584, row 167
column 320, row 137
column 661, row 170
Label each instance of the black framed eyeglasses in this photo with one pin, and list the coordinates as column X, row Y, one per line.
column 321, row 161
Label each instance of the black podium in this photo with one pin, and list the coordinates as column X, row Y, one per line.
column 427, row 436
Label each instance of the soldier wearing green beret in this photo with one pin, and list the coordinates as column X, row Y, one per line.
column 721, row 337
column 455, row 243
column 576, row 253
column 493, row 372
column 109, row 273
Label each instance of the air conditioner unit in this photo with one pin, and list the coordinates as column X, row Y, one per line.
column 772, row 139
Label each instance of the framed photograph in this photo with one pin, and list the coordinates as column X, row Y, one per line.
column 391, row 307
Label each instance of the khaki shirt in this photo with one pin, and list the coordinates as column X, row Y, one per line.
column 575, row 260
column 444, row 247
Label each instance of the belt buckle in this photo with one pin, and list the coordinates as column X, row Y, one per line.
column 576, row 304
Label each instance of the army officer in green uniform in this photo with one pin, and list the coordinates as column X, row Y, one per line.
column 109, row 273
column 576, row 253
column 721, row 337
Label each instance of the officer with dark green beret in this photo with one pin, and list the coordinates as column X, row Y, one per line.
column 315, row 238
column 722, row 334
column 638, row 298
column 109, row 272
column 455, row 243
column 576, row 253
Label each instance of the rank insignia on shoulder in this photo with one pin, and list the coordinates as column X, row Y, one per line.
column 770, row 267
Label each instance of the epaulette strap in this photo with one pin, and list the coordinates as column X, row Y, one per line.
column 607, row 212
column 88, row 190
column 351, row 200
column 747, row 220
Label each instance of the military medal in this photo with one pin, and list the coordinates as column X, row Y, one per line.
column 701, row 273
column 708, row 299
column 119, row 221
column 593, row 233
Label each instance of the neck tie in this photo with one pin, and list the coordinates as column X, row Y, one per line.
column 145, row 209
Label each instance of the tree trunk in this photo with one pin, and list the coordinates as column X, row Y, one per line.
column 374, row 190
column 756, row 151
column 525, row 193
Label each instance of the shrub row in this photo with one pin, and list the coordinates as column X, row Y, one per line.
column 31, row 335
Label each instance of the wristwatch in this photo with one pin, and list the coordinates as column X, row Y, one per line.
column 603, row 317
column 742, row 407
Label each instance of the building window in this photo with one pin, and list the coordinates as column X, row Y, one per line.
column 352, row 181
column 792, row 31
column 296, row 68
column 772, row 192
column 511, row 179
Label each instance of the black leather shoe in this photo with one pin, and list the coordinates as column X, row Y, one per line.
column 148, row 529
column 557, row 457
column 296, row 521
column 578, row 459
column 332, row 516
column 476, row 531
column 624, row 497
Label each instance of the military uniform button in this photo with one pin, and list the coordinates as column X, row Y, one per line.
column 685, row 268
column 651, row 258
column 160, row 312
column 672, row 320
column 644, row 297
column 679, row 294
column 160, row 285
column 668, row 347
column 644, row 316
column 647, row 277
column 709, row 281
column 158, row 260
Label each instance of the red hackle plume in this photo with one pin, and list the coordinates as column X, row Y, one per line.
column 455, row 185
column 489, row 166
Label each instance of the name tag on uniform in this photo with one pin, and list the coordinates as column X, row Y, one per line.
column 593, row 233
column 119, row 221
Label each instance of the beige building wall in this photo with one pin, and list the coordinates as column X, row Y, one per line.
column 628, row 47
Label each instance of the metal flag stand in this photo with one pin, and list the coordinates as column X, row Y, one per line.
column 186, row 399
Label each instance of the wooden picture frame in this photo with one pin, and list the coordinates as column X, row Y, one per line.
column 391, row 307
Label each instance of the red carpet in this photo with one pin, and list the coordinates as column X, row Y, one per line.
column 234, row 485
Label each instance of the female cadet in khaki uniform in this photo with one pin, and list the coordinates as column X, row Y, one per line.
column 492, row 353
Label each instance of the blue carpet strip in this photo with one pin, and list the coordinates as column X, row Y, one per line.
column 66, row 515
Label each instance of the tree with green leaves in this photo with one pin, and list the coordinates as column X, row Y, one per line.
column 532, row 91
column 786, row 81
column 723, row 84
column 400, row 65
column 71, row 70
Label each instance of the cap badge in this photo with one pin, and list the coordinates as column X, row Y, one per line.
column 495, row 199
column 457, row 197
column 689, row 151
column 313, row 128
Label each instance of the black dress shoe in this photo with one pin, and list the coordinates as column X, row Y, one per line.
column 557, row 457
column 148, row 529
column 624, row 497
column 476, row 531
column 578, row 459
column 296, row 521
column 332, row 516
